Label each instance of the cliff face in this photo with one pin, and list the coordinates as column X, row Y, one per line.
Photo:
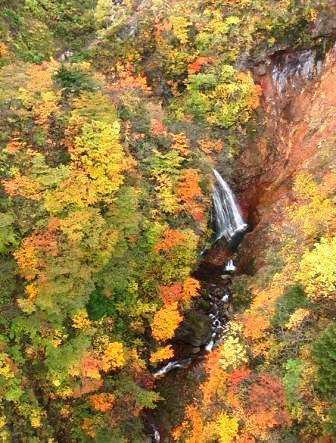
column 286, row 184
column 299, row 100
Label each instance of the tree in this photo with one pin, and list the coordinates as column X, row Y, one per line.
column 317, row 270
column 165, row 322
column 324, row 353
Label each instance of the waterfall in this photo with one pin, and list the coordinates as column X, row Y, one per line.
column 228, row 218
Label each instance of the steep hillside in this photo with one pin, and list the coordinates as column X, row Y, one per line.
column 119, row 323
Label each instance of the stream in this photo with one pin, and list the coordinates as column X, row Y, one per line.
column 215, row 283
column 283, row 73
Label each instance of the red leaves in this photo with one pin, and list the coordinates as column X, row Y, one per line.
column 239, row 375
column 198, row 63
column 171, row 293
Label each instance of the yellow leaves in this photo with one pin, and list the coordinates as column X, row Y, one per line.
column 102, row 402
column 317, row 271
column 35, row 418
column 58, row 336
column 37, row 92
column 314, row 211
column 165, row 322
column 223, row 429
column 305, row 186
column 99, row 154
column 162, row 353
column 232, row 353
column 64, row 392
column 180, row 26
column 165, row 193
column 31, row 291
column 112, row 356
column 3, row 421
column 27, row 260
column 88, row 426
column 297, row 318
column 6, row 370
column 81, row 320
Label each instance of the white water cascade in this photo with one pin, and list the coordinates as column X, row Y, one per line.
column 228, row 218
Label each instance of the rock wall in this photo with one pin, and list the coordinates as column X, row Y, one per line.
column 298, row 110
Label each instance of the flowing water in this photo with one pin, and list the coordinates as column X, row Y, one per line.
column 227, row 216
column 216, row 287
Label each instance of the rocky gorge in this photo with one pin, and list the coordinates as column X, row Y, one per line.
column 297, row 95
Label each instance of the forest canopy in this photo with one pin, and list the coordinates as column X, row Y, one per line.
column 113, row 114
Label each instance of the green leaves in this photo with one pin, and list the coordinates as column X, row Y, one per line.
column 8, row 235
column 324, row 353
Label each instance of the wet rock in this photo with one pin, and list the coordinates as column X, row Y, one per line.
column 195, row 329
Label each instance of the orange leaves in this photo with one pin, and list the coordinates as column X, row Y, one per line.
column 198, row 64
column 172, row 293
column 102, row 402
column 188, row 190
column 113, row 356
column 3, row 50
column 188, row 187
column 165, row 322
column 209, row 146
column 191, row 287
column 22, row 186
column 157, row 127
column 266, row 406
column 254, row 98
column 14, row 145
column 162, row 353
column 239, row 375
column 255, row 326
column 179, row 291
column 27, row 259
column 88, row 367
column 180, row 143
column 193, row 423
column 171, row 238
column 87, row 385
column 28, row 256
column 129, row 80
column 216, row 377
column 255, row 92
column 88, row 426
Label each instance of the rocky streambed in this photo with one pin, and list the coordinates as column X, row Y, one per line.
column 202, row 329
